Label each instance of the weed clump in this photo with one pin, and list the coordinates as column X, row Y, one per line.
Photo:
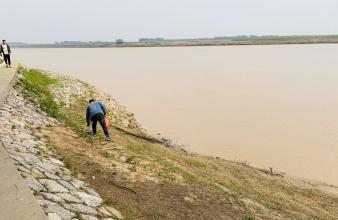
column 36, row 89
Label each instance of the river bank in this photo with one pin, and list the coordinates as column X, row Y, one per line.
column 75, row 176
column 59, row 194
column 217, row 41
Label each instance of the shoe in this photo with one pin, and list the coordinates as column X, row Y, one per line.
column 107, row 138
column 6, row 66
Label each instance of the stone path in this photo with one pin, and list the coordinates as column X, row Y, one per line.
column 16, row 200
column 62, row 196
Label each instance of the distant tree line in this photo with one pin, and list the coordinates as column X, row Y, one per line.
column 151, row 40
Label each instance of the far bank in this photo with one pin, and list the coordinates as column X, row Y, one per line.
column 216, row 41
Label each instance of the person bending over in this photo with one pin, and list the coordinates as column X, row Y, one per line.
column 96, row 112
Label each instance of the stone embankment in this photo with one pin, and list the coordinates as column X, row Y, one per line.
column 61, row 195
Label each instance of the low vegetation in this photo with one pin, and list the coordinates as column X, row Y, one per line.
column 147, row 180
column 36, row 85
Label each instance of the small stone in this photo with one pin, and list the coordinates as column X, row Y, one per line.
column 24, row 136
column 66, row 177
column 47, row 167
column 52, row 197
column 30, row 158
column 67, row 185
column 69, row 198
column 114, row 212
column 37, row 174
column 56, row 161
column 52, row 176
column 123, row 159
column 5, row 114
column 34, row 184
column 43, row 148
column 88, row 217
column 104, row 211
column 54, row 216
column 28, row 143
column 91, row 191
column 26, row 165
column 78, row 183
column 64, row 213
column 83, row 209
column 23, row 169
column 24, row 175
column 66, row 171
column 53, row 186
column 188, row 199
column 90, row 199
column 45, row 203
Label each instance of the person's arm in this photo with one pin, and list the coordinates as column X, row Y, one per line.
column 103, row 108
column 87, row 116
column 1, row 50
column 9, row 49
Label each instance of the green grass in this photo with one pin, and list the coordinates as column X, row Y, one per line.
column 72, row 167
column 36, row 87
column 1, row 61
column 249, row 217
column 105, row 154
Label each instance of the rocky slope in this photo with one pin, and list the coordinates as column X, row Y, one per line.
column 61, row 195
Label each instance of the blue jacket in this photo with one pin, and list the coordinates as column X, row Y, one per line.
column 93, row 109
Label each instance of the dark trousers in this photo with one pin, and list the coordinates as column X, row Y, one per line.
column 99, row 118
column 7, row 59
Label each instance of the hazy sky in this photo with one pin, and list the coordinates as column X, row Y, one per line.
column 47, row 21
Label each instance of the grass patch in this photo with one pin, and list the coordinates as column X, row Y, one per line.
column 46, row 187
column 131, row 160
column 105, row 154
column 109, row 202
column 249, row 217
column 75, row 169
column 36, row 89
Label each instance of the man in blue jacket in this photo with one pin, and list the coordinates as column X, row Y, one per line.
column 96, row 112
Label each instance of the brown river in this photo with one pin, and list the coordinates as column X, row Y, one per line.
column 273, row 106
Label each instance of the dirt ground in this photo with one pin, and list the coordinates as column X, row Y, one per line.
column 139, row 199
column 141, row 194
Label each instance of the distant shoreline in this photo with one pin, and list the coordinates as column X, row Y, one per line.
column 186, row 43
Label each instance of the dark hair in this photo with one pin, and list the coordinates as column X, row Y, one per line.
column 91, row 100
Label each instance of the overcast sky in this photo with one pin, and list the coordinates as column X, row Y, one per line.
column 42, row 21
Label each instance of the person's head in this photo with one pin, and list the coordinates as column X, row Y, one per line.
column 91, row 100
column 4, row 41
